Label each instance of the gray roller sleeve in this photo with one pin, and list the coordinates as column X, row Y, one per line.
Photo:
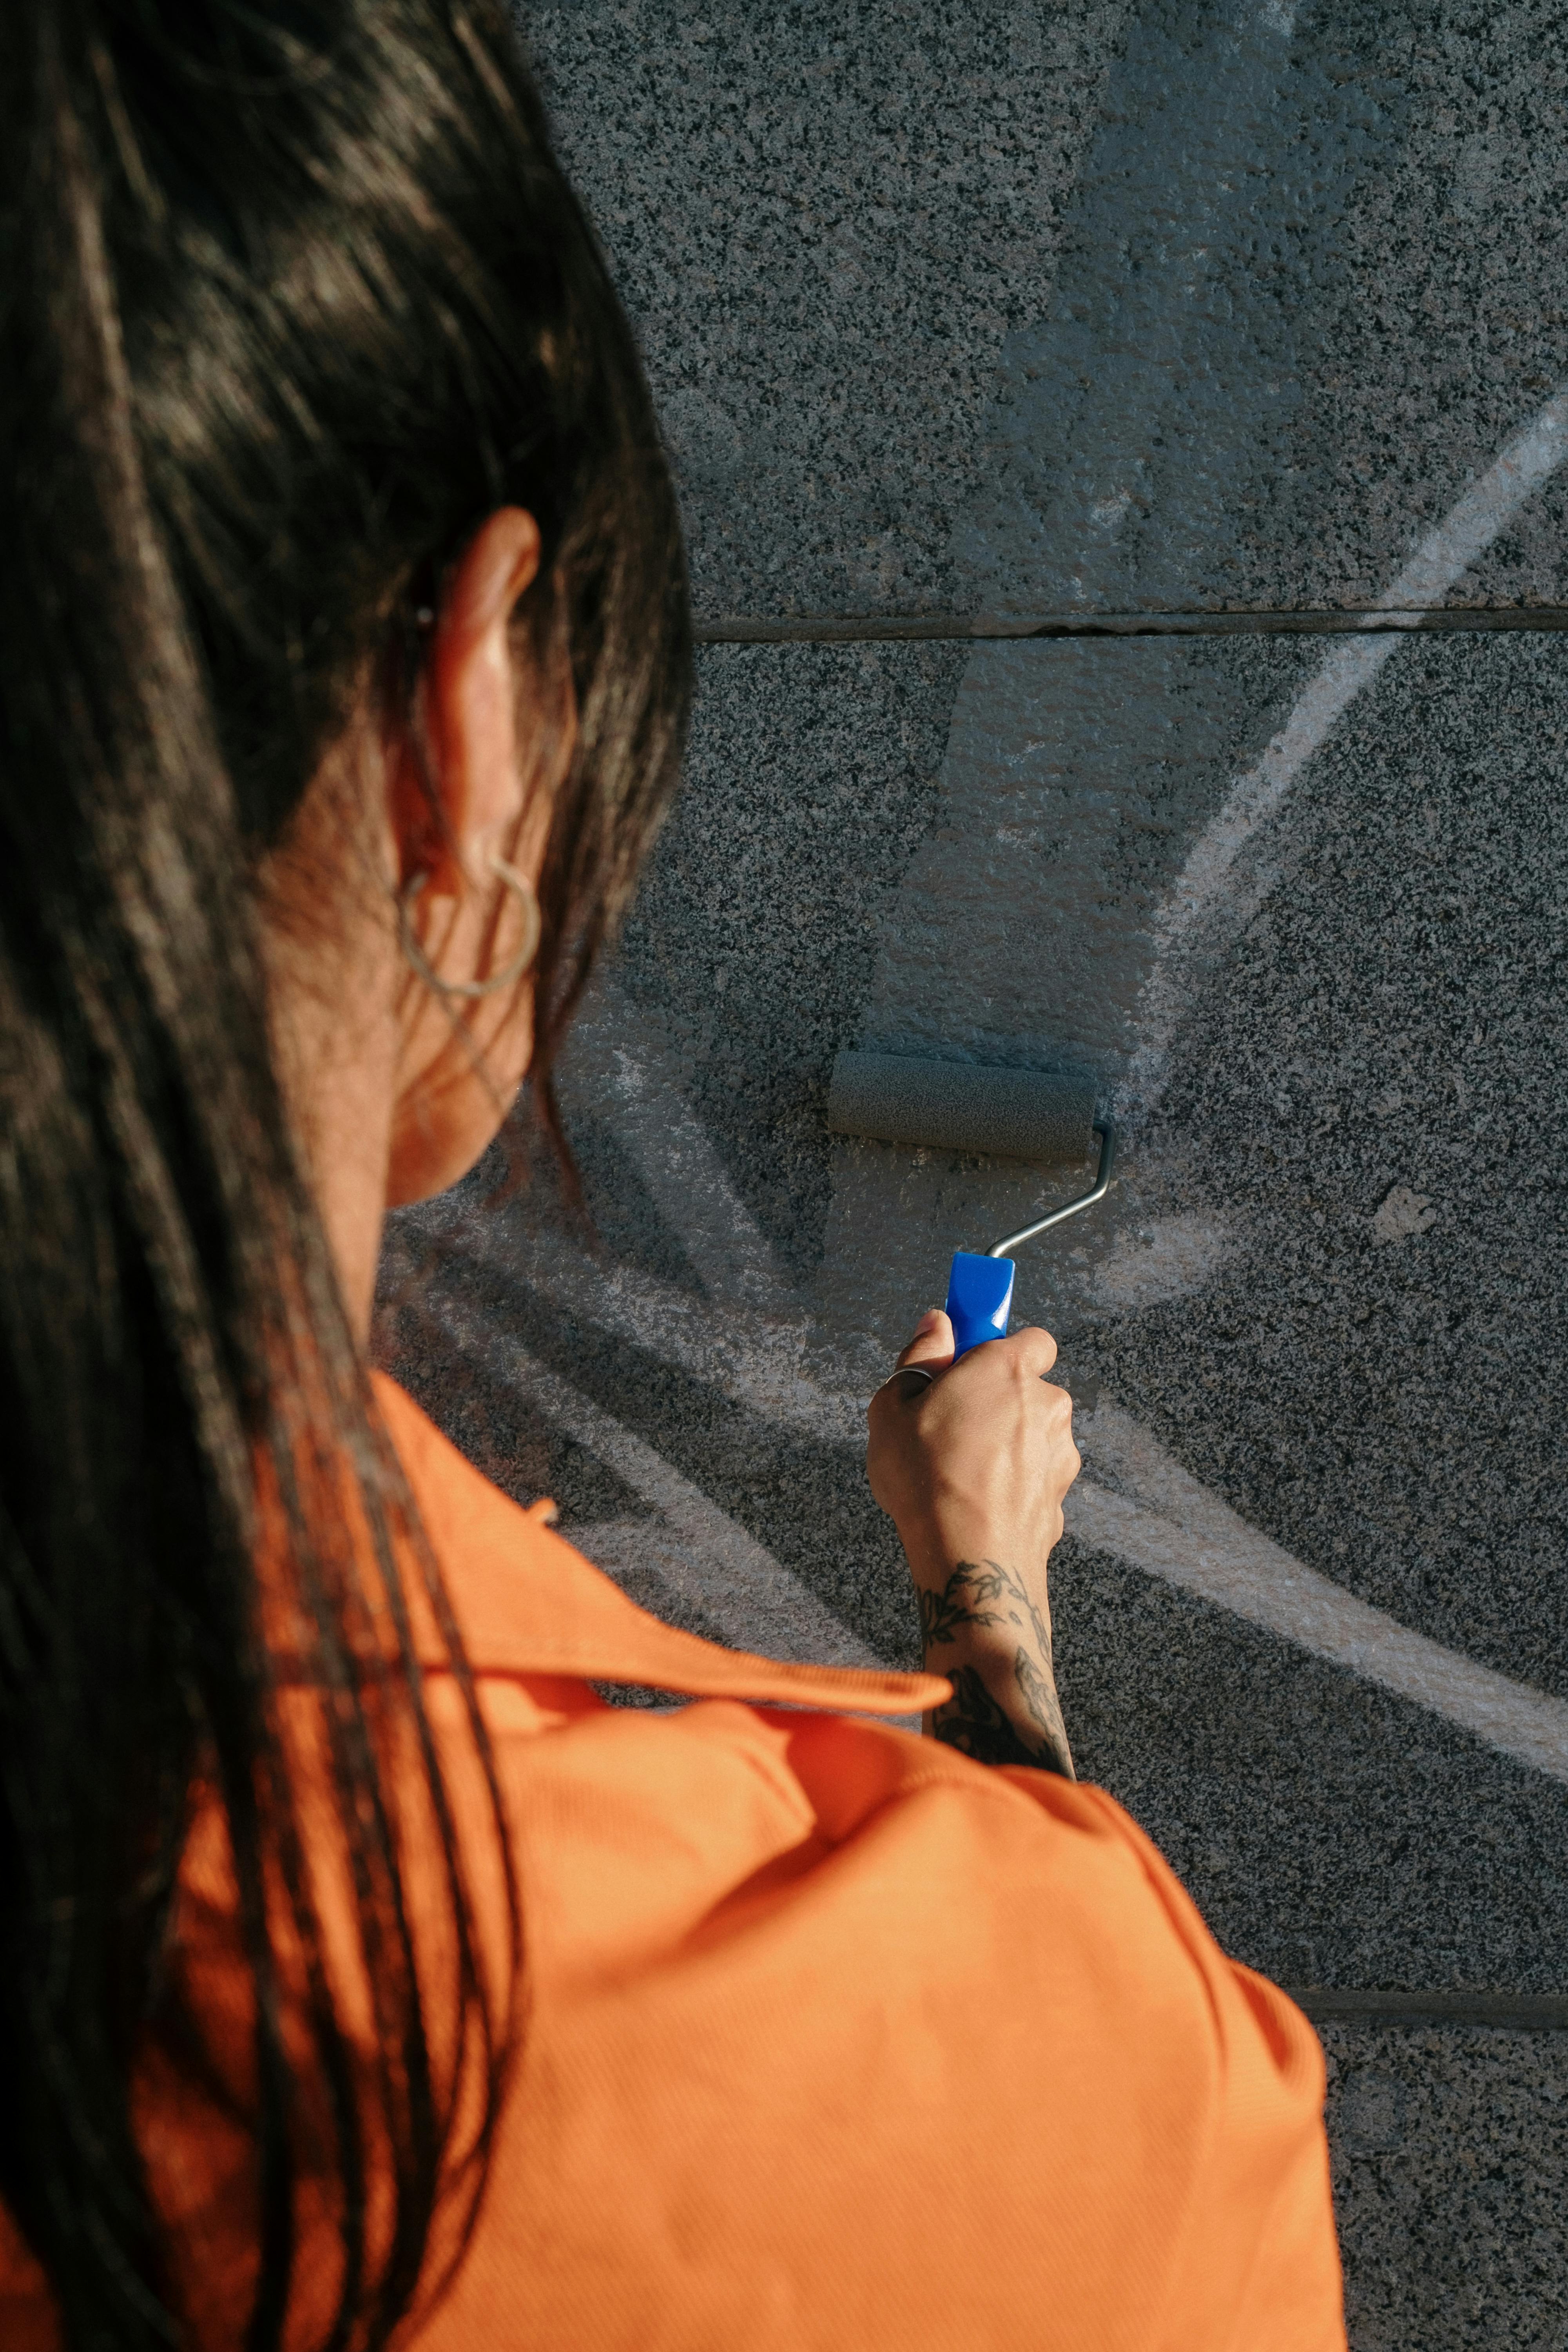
column 960, row 1107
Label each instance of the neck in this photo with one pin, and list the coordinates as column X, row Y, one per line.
column 345, row 1133
column 336, row 1045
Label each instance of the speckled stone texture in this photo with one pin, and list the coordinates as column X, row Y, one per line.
column 825, row 220
column 1331, row 1833
column 1387, row 1396
column 1450, row 2150
column 969, row 304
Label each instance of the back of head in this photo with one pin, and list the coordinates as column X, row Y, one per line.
column 295, row 295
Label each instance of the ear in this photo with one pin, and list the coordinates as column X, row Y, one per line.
column 471, row 703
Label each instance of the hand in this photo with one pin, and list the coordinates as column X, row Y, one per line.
column 972, row 1468
column 978, row 1459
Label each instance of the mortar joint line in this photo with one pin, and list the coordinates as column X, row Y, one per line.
column 1507, row 2012
column 1009, row 627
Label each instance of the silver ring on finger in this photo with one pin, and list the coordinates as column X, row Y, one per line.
column 904, row 1372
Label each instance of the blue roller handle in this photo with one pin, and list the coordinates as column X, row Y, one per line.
column 979, row 1300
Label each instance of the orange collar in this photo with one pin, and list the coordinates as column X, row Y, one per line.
column 528, row 1604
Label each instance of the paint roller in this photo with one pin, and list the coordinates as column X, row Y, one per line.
column 1032, row 1115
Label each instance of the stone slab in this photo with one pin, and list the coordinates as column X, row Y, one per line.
column 1376, row 1396
column 970, row 305
column 1451, row 2153
column 1371, row 1101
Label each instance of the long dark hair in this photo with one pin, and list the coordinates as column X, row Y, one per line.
column 292, row 295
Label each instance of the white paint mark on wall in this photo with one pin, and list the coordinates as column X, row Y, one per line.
column 677, row 1156
column 1404, row 1213
column 1107, row 512
column 756, row 1361
column 1155, row 1514
column 1156, row 1517
column 1169, row 1258
column 706, row 1557
column 1162, row 1521
column 1217, row 891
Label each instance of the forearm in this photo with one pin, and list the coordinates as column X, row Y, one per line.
column 970, row 1458
column 982, row 1628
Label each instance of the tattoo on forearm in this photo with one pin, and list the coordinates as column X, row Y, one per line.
column 1038, row 1693
column 974, row 1723
column 980, row 1593
column 1032, row 1731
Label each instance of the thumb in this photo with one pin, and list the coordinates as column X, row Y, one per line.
column 932, row 1344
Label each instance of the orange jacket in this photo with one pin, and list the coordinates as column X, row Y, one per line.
column 834, row 2038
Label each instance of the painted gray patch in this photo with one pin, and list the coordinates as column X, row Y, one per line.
column 1146, row 417
column 1135, row 419
column 1075, row 775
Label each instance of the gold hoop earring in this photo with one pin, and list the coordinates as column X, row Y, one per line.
column 521, row 890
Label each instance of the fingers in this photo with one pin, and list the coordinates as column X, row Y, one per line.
column 1019, row 1362
column 927, row 1354
column 978, row 1452
column 932, row 1343
column 1029, row 1352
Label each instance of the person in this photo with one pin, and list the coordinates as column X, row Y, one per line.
column 362, row 1972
